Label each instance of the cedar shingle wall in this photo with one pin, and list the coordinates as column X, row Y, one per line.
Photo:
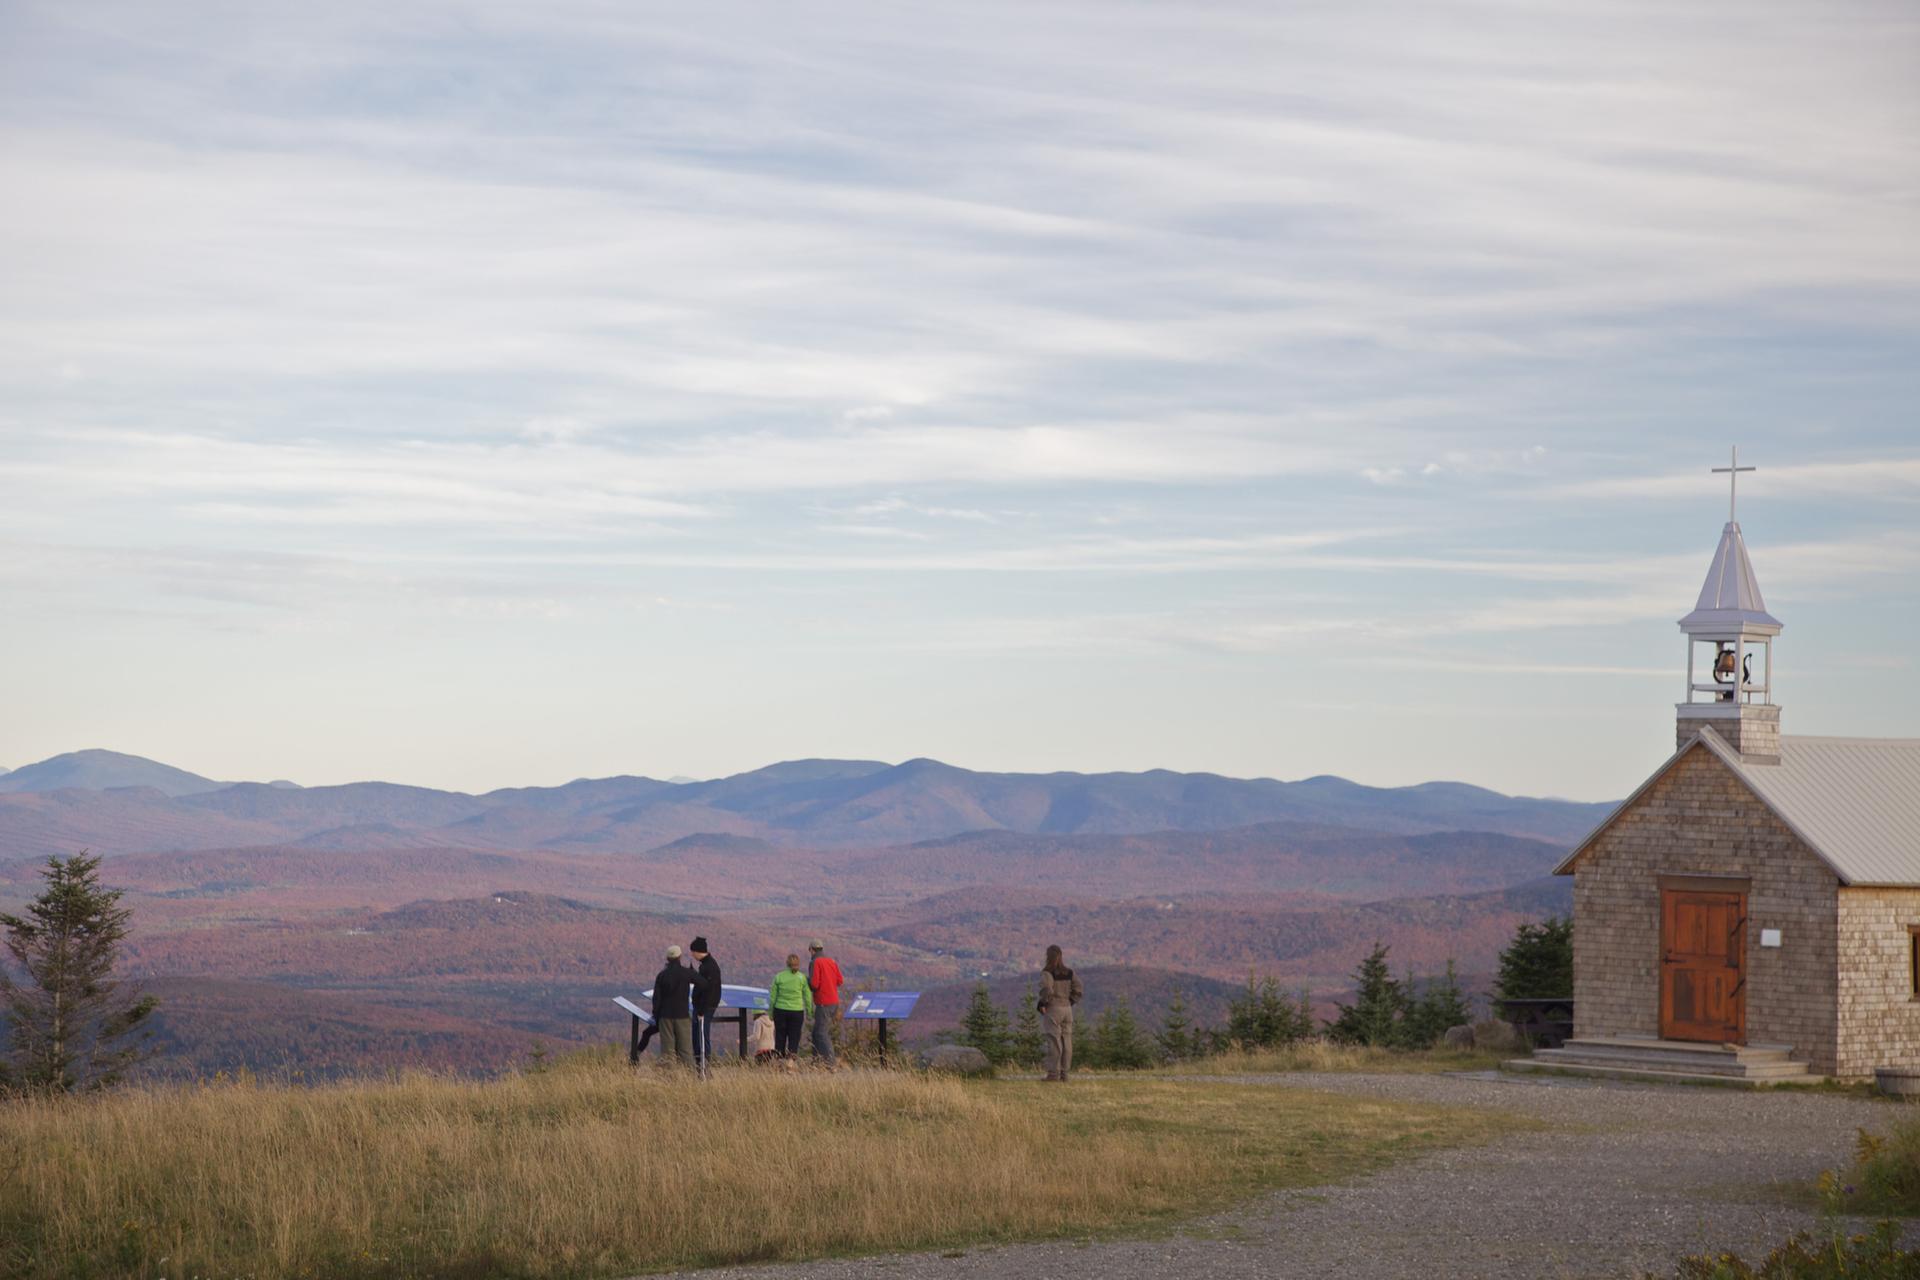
column 1879, row 1019
column 1700, row 820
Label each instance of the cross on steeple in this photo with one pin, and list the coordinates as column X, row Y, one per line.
column 1732, row 472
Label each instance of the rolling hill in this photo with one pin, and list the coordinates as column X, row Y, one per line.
column 96, row 770
column 105, row 805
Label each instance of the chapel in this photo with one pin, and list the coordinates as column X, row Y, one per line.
column 1752, row 911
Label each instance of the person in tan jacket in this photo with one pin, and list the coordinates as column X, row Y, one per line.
column 1059, row 992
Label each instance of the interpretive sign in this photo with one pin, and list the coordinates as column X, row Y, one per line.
column 744, row 1001
column 883, row 1004
column 882, row 1007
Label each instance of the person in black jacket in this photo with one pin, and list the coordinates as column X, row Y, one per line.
column 706, row 998
column 673, row 1007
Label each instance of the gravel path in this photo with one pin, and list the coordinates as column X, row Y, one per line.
column 1629, row 1178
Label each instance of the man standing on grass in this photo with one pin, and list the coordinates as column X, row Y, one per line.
column 706, row 998
column 823, row 975
column 673, row 1008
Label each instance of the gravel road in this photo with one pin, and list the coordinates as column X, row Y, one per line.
column 1630, row 1178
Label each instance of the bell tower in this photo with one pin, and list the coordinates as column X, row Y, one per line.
column 1730, row 650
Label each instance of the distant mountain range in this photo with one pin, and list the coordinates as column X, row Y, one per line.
column 337, row 928
column 116, row 803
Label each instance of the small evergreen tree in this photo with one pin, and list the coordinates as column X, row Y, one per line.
column 1117, row 1043
column 1261, row 1018
column 1178, row 1038
column 1029, row 1042
column 1441, row 1004
column 1379, row 1004
column 1243, row 1017
column 1303, row 1023
column 68, row 1025
column 984, row 1026
column 1538, row 963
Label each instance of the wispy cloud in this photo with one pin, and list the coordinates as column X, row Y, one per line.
column 1212, row 330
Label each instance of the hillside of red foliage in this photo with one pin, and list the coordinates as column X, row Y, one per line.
column 344, row 928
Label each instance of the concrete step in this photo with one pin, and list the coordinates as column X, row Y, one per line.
column 1647, row 1044
column 1778, row 1071
column 1649, row 1076
column 1575, row 1053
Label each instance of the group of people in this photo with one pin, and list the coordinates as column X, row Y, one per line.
column 686, row 998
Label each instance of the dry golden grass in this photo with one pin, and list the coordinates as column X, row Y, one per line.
column 1320, row 1055
column 592, row 1170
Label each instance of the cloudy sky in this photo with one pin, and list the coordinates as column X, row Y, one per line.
column 473, row 394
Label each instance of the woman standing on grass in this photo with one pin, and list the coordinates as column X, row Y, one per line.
column 1059, row 992
column 790, row 1000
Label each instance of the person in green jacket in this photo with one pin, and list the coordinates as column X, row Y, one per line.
column 790, row 999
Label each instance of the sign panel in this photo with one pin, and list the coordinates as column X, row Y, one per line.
column 633, row 1008
column 731, row 997
column 883, row 1004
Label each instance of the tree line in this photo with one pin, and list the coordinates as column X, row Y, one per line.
column 1387, row 1012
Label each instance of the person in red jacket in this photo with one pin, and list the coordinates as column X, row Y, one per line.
column 824, row 976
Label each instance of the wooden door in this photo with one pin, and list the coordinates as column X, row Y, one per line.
column 1703, row 937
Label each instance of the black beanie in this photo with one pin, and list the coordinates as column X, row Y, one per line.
column 698, row 944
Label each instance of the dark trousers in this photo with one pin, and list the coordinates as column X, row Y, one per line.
column 787, row 1026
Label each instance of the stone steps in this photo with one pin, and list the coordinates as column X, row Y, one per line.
column 1627, row 1058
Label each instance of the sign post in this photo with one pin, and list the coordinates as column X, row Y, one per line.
column 639, row 1015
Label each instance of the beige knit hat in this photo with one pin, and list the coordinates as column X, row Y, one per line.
column 673, row 952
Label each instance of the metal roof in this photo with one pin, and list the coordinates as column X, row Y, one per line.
column 1854, row 801
column 1730, row 599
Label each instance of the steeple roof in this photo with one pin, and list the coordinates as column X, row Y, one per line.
column 1730, row 600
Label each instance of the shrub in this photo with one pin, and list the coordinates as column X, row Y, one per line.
column 1885, row 1177
column 1876, row 1255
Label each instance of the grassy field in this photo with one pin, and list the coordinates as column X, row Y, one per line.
column 590, row 1170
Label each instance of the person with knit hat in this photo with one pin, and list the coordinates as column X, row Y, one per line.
column 706, row 999
column 824, row 977
column 673, row 1008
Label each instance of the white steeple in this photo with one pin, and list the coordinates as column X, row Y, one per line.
column 1731, row 618
column 1730, row 597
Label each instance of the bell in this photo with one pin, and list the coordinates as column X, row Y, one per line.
column 1723, row 665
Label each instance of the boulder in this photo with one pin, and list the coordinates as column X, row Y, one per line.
column 1499, row 1036
column 956, row 1059
column 1460, row 1037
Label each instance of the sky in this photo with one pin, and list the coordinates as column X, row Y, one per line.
column 476, row 394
